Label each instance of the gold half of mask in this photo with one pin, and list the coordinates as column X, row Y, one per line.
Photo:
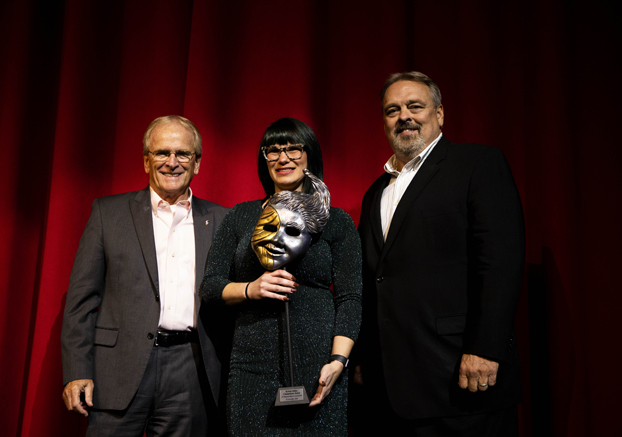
column 265, row 230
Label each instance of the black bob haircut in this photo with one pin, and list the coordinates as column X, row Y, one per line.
column 292, row 131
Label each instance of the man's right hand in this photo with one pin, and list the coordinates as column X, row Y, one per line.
column 72, row 392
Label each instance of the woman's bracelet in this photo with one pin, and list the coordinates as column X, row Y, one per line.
column 246, row 291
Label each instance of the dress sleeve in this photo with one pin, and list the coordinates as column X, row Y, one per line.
column 347, row 276
column 220, row 261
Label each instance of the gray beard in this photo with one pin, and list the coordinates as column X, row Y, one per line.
column 408, row 148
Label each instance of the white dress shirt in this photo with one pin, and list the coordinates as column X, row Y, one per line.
column 173, row 231
column 398, row 184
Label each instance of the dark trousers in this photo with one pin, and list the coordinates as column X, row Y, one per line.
column 374, row 415
column 501, row 423
column 169, row 400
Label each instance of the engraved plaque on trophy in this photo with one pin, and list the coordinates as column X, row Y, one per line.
column 291, row 396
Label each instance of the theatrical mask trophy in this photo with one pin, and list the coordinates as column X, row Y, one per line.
column 282, row 235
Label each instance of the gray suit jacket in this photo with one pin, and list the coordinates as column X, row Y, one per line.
column 112, row 309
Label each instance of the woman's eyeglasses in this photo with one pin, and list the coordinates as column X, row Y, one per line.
column 292, row 151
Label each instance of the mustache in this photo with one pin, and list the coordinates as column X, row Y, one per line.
column 401, row 126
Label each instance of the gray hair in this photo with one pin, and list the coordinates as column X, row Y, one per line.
column 196, row 143
column 314, row 208
column 414, row 76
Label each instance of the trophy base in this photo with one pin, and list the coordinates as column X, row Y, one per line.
column 291, row 396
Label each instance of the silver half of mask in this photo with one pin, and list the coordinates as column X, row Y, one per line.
column 280, row 237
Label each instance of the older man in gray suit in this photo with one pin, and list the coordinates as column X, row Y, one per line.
column 136, row 354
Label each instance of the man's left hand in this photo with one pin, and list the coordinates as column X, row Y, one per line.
column 477, row 373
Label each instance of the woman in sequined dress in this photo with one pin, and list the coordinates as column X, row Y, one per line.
column 324, row 321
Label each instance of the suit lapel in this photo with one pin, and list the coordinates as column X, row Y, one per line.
column 203, row 233
column 140, row 208
column 421, row 180
column 375, row 216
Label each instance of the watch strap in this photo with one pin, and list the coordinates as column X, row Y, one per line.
column 343, row 360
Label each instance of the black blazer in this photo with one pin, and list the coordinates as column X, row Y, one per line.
column 112, row 308
column 446, row 282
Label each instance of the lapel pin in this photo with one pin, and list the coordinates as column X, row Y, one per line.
column 207, row 222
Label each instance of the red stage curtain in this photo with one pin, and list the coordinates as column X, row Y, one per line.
column 80, row 81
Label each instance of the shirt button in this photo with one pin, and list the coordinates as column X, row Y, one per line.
column 173, row 255
column 380, row 279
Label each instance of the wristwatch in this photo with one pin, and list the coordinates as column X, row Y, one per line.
column 343, row 360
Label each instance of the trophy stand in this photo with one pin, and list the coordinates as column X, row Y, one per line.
column 291, row 395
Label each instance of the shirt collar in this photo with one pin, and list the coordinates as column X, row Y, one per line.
column 392, row 164
column 156, row 201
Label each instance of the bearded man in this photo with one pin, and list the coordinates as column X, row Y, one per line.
column 443, row 255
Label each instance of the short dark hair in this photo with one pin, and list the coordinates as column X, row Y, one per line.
column 414, row 76
column 293, row 131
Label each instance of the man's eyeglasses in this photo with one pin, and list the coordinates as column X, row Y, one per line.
column 293, row 152
column 182, row 156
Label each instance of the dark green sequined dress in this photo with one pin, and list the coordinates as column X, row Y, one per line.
column 259, row 355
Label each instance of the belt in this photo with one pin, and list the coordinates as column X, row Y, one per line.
column 166, row 338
